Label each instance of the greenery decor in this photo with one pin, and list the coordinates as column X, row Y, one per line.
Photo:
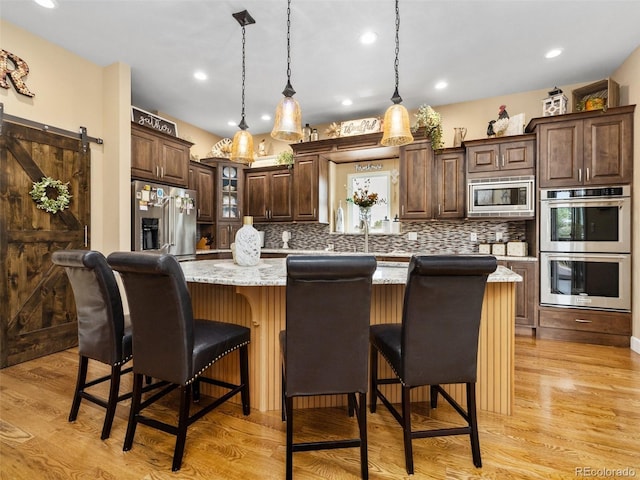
column 41, row 190
column 285, row 158
column 363, row 198
column 429, row 119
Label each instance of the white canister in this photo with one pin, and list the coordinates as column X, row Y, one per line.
column 247, row 244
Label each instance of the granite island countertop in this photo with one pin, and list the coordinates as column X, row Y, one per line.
column 272, row 272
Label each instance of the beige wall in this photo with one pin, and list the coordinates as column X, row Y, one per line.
column 628, row 77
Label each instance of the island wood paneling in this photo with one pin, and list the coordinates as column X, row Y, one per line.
column 262, row 309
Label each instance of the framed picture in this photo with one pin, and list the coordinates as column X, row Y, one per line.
column 148, row 119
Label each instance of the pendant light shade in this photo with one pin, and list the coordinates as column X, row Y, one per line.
column 242, row 145
column 288, row 119
column 396, row 127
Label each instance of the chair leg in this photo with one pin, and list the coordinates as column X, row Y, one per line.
column 283, row 389
column 112, row 403
column 433, row 396
column 406, row 427
column 80, row 382
column 289, row 415
column 373, row 375
column 244, row 380
column 195, row 389
column 183, row 423
column 362, row 424
column 133, row 412
column 351, row 402
column 473, row 424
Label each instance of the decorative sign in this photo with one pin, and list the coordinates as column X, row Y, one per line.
column 17, row 74
column 360, row 127
column 368, row 167
column 150, row 120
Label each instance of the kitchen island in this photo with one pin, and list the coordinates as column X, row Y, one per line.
column 256, row 298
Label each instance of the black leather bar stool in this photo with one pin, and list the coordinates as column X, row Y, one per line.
column 103, row 333
column 324, row 347
column 436, row 343
column 169, row 344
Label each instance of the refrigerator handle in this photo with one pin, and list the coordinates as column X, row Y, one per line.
column 172, row 220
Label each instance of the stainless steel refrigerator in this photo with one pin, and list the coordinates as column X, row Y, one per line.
column 163, row 219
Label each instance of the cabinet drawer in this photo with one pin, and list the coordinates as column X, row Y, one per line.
column 616, row 323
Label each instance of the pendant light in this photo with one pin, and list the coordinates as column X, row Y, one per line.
column 397, row 130
column 242, row 146
column 288, row 122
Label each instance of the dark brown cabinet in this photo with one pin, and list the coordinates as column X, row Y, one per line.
column 526, row 291
column 201, row 179
column 416, row 173
column 310, row 187
column 159, row 157
column 228, row 207
column 450, row 183
column 589, row 148
column 268, row 194
column 501, row 156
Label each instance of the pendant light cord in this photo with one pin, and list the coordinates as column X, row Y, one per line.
column 243, row 125
column 288, row 89
column 396, row 96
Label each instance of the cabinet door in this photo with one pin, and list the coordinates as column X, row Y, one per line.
column 560, row 154
column 306, row 188
column 257, row 195
column 174, row 164
column 144, row 155
column 526, row 292
column 226, row 234
column 416, row 165
column 517, row 155
column 608, row 157
column 281, row 207
column 230, row 184
column 450, row 188
column 201, row 179
column 483, row 158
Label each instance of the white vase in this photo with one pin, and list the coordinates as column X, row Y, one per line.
column 340, row 219
column 247, row 244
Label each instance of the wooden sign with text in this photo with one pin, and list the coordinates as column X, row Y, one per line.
column 147, row 119
column 360, row 127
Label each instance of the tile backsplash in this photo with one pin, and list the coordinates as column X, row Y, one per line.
column 453, row 236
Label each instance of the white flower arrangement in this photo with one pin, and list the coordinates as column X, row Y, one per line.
column 428, row 118
column 40, row 190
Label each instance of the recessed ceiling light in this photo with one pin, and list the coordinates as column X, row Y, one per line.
column 200, row 75
column 441, row 84
column 47, row 3
column 266, row 117
column 346, row 102
column 553, row 53
column 231, row 123
column 367, row 38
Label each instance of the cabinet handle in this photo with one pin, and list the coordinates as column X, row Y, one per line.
column 402, row 210
column 580, row 320
column 198, row 212
column 503, row 160
column 86, row 236
column 580, row 175
column 439, row 209
column 497, row 162
column 587, row 176
column 314, row 211
column 157, row 171
column 161, row 172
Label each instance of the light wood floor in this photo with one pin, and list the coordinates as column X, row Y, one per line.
column 576, row 407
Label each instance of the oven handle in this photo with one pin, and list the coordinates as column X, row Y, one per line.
column 584, row 256
column 586, row 202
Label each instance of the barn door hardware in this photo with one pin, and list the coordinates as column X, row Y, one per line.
column 82, row 134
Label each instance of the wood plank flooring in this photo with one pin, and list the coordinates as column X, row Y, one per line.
column 576, row 407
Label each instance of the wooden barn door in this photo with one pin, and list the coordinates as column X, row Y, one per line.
column 37, row 307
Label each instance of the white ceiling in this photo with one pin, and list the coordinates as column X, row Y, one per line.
column 481, row 48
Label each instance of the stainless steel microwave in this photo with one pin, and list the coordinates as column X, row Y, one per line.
column 501, row 197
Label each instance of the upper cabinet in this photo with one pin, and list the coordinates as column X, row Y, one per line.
column 159, row 157
column 587, row 148
column 501, row 156
column 201, row 179
column 416, row 173
column 310, row 188
column 268, row 194
column 449, row 183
